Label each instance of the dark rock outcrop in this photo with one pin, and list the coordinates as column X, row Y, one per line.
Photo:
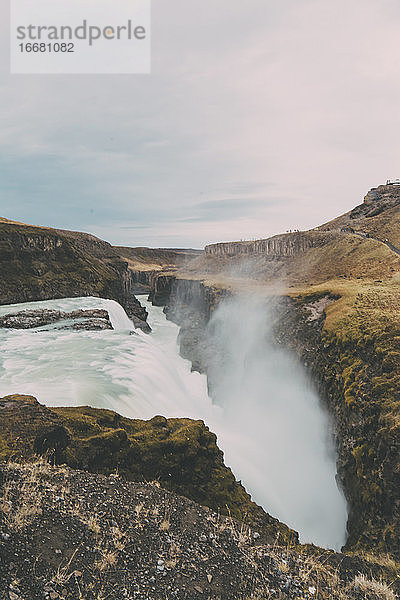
column 142, row 281
column 161, row 288
column 89, row 325
column 181, row 454
column 29, row 319
column 377, row 201
column 189, row 304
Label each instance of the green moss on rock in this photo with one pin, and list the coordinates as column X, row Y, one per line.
column 354, row 357
column 181, row 454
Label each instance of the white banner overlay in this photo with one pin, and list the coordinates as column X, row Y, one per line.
column 80, row 36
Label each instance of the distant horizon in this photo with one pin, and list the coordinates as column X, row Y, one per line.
column 158, row 247
column 256, row 118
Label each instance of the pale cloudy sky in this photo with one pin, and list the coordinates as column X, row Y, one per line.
column 259, row 116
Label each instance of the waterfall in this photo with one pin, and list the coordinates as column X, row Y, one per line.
column 267, row 417
column 275, row 433
column 118, row 317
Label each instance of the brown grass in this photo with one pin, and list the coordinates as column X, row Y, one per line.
column 373, row 590
column 21, row 498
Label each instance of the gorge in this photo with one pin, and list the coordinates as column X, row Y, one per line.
column 288, row 350
column 266, row 416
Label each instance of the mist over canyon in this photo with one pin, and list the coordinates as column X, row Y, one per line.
column 269, row 422
column 273, row 418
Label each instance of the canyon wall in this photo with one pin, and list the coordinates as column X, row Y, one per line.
column 284, row 245
column 368, row 452
column 367, row 446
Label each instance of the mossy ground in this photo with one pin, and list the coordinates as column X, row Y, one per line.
column 364, row 322
column 181, row 454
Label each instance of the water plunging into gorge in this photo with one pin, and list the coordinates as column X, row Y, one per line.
column 267, row 417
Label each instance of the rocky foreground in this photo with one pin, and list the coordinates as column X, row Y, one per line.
column 68, row 534
column 181, row 454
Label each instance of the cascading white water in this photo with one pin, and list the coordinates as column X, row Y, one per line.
column 118, row 317
column 266, row 416
column 274, row 431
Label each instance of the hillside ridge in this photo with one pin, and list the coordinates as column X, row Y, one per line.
column 41, row 263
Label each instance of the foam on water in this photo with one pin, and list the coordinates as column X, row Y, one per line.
column 274, row 434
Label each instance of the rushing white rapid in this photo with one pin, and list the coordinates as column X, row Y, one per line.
column 269, row 424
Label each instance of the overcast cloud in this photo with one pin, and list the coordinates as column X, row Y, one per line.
column 259, row 116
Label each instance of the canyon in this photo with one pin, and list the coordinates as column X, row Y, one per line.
column 350, row 348
column 335, row 297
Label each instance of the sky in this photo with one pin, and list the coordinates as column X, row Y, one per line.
column 258, row 117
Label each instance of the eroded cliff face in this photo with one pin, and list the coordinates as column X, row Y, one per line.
column 367, row 448
column 378, row 200
column 142, row 281
column 161, row 287
column 190, row 304
column 41, row 264
column 288, row 244
column 346, row 374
